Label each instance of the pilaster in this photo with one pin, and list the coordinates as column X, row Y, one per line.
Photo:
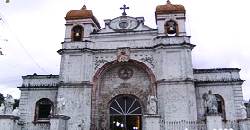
column 8, row 122
column 59, row 122
column 244, row 124
column 151, row 122
column 214, row 122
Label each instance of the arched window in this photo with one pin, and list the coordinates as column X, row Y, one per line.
column 44, row 108
column 125, row 113
column 171, row 28
column 221, row 106
column 77, row 33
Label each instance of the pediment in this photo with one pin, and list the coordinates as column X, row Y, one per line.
column 125, row 24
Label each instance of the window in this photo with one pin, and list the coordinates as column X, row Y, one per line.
column 221, row 106
column 77, row 33
column 171, row 28
column 44, row 107
column 125, row 113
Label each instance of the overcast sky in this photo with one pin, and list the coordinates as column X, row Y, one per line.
column 35, row 30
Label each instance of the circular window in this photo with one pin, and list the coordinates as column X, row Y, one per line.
column 123, row 24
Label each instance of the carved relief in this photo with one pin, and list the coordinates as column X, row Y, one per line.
column 60, row 104
column 152, row 105
column 99, row 62
column 125, row 73
column 148, row 59
column 123, row 55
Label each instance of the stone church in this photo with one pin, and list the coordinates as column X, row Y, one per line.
column 128, row 76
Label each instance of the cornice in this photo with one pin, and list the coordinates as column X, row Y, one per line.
column 219, row 82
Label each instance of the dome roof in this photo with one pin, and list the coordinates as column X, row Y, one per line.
column 83, row 13
column 170, row 8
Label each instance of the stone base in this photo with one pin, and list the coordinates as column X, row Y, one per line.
column 151, row 122
column 9, row 122
column 244, row 124
column 59, row 122
column 214, row 122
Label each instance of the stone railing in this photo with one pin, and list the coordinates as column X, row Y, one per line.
column 194, row 125
column 231, row 125
column 38, row 126
column 185, row 125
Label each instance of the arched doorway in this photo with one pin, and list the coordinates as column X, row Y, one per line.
column 115, row 79
column 125, row 113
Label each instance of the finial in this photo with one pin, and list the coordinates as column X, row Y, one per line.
column 168, row 2
column 84, row 7
column 124, row 10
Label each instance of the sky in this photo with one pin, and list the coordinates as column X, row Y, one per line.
column 31, row 31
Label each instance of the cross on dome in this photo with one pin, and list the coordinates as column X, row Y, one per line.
column 124, row 10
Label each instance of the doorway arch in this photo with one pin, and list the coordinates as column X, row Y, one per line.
column 119, row 78
column 125, row 113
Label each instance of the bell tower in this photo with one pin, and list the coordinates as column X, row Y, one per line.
column 170, row 19
column 80, row 24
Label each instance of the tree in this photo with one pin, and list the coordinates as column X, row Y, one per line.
column 1, row 53
column 16, row 104
column 1, row 98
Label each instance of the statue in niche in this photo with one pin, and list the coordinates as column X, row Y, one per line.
column 8, row 104
column 210, row 103
column 243, row 110
column 60, row 103
column 16, row 112
column 1, row 109
column 152, row 104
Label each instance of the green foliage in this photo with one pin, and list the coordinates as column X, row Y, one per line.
column 1, row 98
column 16, row 104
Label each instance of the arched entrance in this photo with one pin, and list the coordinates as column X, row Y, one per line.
column 125, row 113
column 113, row 80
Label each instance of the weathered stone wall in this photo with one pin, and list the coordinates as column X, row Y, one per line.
column 76, row 68
column 40, row 80
column 28, row 99
column 77, row 98
column 177, row 101
column 247, row 105
column 219, row 74
column 158, row 65
column 226, row 83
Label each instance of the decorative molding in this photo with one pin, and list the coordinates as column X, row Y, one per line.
column 99, row 62
column 59, row 117
column 218, row 82
column 215, row 70
column 9, row 117
column 148, row 59
column 123, row 54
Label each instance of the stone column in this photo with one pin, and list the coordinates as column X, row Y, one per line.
column 8, row 122
column 214, row 121
column 151, row 122
column 244, row 124
column 59, row 122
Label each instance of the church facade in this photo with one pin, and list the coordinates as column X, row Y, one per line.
column 128, row 76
